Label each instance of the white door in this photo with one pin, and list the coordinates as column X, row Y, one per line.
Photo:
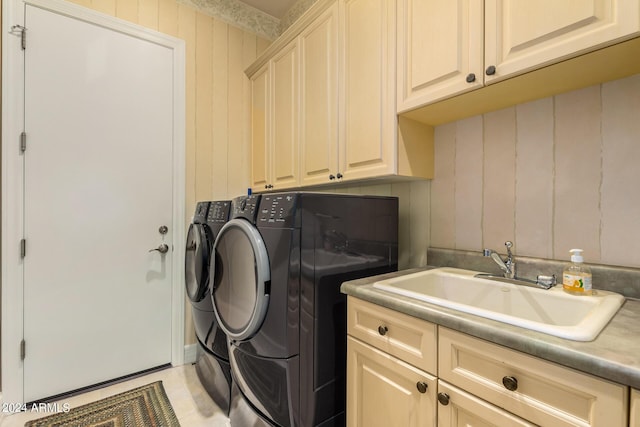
column 98, row 186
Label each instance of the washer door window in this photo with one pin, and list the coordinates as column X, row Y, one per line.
column 241, row 275
column 196, row 262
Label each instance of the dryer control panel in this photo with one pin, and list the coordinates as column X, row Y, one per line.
column 245, row 207
column 200, row 215
column 277, row 209
column 219, row 211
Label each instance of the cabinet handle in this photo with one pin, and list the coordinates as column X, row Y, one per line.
column 471, row 78
column 382, row 330
column 491, row 70
column 266, row 186
column 332, row 177
column 443, row 398
column 422, row 386
column 510, row 383
column 339, row 176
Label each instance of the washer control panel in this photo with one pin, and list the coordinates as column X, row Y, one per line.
column 277, row 209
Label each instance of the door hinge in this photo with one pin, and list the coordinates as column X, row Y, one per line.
column 23, row 142
column 23, row 248
column 21, row 31
column 23, row 349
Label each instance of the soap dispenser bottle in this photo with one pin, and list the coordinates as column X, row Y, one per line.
column 576, row 277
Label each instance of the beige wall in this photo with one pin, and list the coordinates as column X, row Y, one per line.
column 217, row 93
column 550, row 175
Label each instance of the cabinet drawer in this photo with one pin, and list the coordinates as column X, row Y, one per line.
column 541, row 392
column 383, row 391
column 463, row 409
column 408, row 338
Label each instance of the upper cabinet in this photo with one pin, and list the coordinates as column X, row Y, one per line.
column 274, row 122
column 448, row 48
column 440, row 50
column 319, row 73
column 331, row 113
column 369, row 89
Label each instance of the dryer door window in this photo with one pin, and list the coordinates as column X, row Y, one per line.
column 241, row 279
column 196, row 262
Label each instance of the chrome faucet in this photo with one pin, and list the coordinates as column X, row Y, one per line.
column 508, row 266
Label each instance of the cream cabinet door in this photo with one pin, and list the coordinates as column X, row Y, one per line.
column 383, row 391
column 260, row 149
column 440, row 50
column 522, row 35
column 319, row 99
column 634, row 420
column 285, row 118
column 369, row 147
column 459, row 409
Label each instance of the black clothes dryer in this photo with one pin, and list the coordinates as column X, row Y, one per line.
column 280, row 261
column 212, row 362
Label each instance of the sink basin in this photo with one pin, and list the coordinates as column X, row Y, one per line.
column 553, row 311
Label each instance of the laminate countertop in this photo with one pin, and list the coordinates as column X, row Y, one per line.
column 614, row 354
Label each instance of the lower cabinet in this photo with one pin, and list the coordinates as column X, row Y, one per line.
column 634, row 420
column 459, row 408
column 384, row 391
column 392, row 380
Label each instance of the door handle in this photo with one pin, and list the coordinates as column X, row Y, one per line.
column 163, row 248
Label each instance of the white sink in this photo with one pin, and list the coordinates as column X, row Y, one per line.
column 553, row 311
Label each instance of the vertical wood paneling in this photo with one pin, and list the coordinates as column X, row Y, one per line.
column 578, row 173
column 85, row 3
column 204, row 107
column 443, row 225
column 148, row 11
column 127, row 10
column 468, row 194
column 239, row 176
column 621, row 174
column 534, row 178
column 168, row 17
column 498, row 215
column 238, row 181
column 419, row 239
column 104, row 6
column 220, row 117
column 186, row 31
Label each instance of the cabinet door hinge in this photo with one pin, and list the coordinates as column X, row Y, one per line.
column 20, row 31
column 23, row 248
column 23, row 142
column 23, row 350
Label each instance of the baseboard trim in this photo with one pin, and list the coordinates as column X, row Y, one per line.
column 190, row 353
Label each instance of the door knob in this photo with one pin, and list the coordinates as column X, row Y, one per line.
column 163, row 248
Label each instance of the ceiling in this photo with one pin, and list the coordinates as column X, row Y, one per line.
column 275, row 8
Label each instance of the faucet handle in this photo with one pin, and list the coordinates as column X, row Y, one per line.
column 509, row 245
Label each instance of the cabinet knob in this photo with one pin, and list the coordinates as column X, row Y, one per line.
column 491, row 70
column 510, row 383
column 266, row 186
column 332, row 177
column 382, row 330
column 443, row 398
column 471, row 78
column 422, row 386
column 339, row 176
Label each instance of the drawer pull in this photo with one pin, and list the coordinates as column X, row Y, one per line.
column 510, row 383
column 443, row 398
column 382, row 330
column 422, row 386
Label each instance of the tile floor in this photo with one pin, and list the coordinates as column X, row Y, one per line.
column 190, row 401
